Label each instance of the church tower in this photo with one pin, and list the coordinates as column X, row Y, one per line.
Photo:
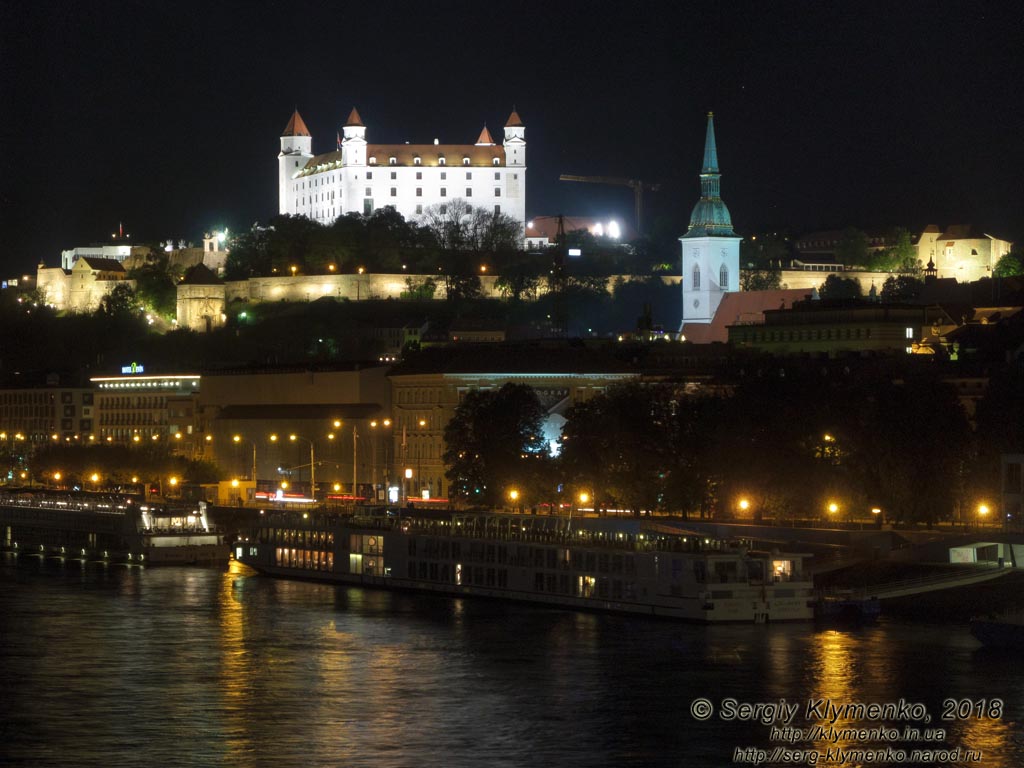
column 296, row 150
column 710, row 247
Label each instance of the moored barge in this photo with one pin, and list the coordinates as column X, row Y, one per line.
column 625, row 566
column 111, row 527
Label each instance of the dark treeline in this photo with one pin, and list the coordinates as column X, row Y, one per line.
column 790, row 442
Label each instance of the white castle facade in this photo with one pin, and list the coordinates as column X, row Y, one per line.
column 360, row 178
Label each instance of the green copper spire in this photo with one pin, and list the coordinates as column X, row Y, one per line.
column 710, row 217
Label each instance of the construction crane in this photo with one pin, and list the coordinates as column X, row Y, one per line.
column 636, row 185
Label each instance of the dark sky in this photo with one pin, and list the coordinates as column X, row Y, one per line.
column 166, row 115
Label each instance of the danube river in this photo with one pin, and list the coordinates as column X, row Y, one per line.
column 114, row 666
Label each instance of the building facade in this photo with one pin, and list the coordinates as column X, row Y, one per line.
column 46, row 414
column 81, row 288
column 137, row 407
column 710, row 247
column 359, row 177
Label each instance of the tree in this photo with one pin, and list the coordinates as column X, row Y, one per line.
column 836, row 287
column 493, row 442
column 619, row 445
column 898, row 288
column 852, row 248
column 1011, row 264
column 760, row 279
column 899, row 256
column 119, row 304
column 156, row 285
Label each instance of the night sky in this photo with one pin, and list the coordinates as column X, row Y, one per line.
column 166, row 115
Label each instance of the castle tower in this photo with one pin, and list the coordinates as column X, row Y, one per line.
column 515, row 141
column 353, row 145
column 710, row 247
column 515, row 168
column 296, row 150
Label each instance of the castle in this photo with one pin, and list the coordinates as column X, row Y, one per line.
column 359, row 177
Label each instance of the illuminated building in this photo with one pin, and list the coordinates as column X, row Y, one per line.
column 360, row 178
column 710, row 247
column 138, row 408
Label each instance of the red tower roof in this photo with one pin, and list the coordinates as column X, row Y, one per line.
column 354, row 120
column 296, row 126
column 514, row 121
column 485, row 137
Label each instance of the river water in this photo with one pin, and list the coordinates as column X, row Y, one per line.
column 109, row 665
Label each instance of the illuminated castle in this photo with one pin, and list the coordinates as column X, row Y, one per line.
column 360, row 178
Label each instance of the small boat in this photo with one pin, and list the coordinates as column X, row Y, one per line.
column 1005, row 630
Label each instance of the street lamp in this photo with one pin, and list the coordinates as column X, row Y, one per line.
column 833, row 507
column 237, row 439
column 982, row 512
column 312, row 460
column 744, row 505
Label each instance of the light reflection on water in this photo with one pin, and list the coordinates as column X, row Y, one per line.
column 107, row 665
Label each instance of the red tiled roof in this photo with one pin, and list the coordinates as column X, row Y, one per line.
column 429, row 154
column 741, row 308
column 296, row 126
column 485, row 137
column 514, row 121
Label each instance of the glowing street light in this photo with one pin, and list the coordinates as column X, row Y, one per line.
column 744, row 505
column 833, row 507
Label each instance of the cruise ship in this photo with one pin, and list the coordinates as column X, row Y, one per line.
column 631, row 566
column 109, row 527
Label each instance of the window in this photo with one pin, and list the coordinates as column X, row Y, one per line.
column 416, row 161
column 497, row 210
column 465, row 161
column 444, row 175
column 440, row 160
column 497, row 176
column 469, row 192
column 419, row 209
column 910, row 333
column 444, row 209
column 496, row 161
column 369, row 174
column 419, row 175
column 392, row 161
column 368, row 192
column 469, row 175
column 497, row 191
column 444, row 192
column 394, row 191
column 723, row 277
column 696, row 277
column 394, row 174
column 373, row 161
column 419, row 191
column 368, row 206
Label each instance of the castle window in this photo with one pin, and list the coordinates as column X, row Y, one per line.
column 440, row 160
column 392, row 160
column 373, row 161
column 469, row 192
column 369, row 174
column 444, row 192
column 696, row 277
column 497, row 210
column 497, row 191
column 469, row 175
column 723, row 277
column 465, row 161
column 444, row 175
column 416, row 161
column 419, row 175
column 444, row 209
column 419, row 191
column 496, row 161
column 497, row 176
column 368, row 193
column 394, row 174
column 394, row 192
column 419, row 209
